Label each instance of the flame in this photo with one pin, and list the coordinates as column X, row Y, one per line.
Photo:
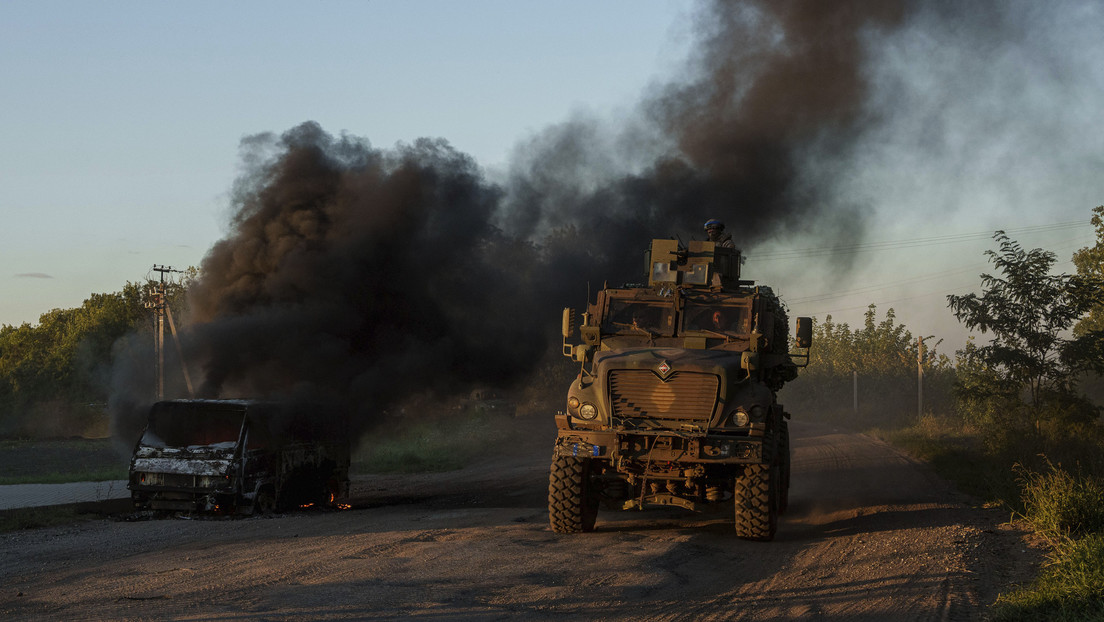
column 344, row 506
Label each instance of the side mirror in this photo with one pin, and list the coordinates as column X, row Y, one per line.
column 568, row 322
column 804, row 338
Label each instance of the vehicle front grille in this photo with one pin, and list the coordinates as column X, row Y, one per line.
column 681, row 397
column 182, row 481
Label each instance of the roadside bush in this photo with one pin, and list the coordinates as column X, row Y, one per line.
column 1061, row 505
column 1070, row 588
column 1068, row 510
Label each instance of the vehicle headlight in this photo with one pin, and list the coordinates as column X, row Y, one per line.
column 573, row 403
column 758, row 414
column 588, row 411
column 740, row 418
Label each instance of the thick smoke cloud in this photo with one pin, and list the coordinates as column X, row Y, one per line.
column 768, row 83
column 366, row 275
column 361, row 274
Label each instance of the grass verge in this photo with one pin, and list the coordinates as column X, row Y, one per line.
column 1068, row 510
column 444, row 444
column 1065, row 507
column 60, row 461
column 959, row 455
column 62, row 477
column 1070, row 587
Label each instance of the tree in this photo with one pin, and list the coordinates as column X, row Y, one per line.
column 61, row 365
column 1089, row 262
column 1028, row 311
column 882, row 354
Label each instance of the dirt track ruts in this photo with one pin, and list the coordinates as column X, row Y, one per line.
column 870, row 535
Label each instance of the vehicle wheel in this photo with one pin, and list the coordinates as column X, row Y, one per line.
column 784, row 467
column 756, row 502
column 572, row 503
column 264, row 502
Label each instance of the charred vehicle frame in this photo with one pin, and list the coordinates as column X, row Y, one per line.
column 239, row 456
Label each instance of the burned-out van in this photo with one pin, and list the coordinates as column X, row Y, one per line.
column 239, row 456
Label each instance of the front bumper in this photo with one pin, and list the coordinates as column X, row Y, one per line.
column 658, row 447
column 180, row 492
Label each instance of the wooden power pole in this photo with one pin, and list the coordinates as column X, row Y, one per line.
column 919, row 377
column 158, row 302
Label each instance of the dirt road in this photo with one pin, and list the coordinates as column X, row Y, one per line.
column 870, row 535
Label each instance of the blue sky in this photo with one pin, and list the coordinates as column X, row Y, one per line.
column 121, row 122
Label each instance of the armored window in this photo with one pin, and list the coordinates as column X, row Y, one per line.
column 712, row 317
column 631, row 317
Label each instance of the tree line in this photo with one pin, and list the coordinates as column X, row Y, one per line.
column 55, row 375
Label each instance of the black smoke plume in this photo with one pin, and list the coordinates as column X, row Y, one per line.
column 367, row 275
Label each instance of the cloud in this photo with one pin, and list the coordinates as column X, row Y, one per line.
column 33, row 275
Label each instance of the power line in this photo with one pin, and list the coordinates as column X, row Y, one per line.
column 978, row 268
column 826, row 251
column 881, row 286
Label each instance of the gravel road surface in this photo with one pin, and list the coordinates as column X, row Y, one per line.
column 870, row 535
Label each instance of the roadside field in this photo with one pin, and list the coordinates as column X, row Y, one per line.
column 62, row 460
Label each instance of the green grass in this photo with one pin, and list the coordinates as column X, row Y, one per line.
column 1065, row 507
column 958, row 454
column 1061, row 505
column 1070, row 588
column 62, row 477
column 444, row 444
column 59, row 461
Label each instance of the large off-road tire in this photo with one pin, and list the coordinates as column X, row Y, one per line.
column 784, row 467
column 572, row 503
column 757, row 502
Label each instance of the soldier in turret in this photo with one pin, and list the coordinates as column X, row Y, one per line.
column 715, row 230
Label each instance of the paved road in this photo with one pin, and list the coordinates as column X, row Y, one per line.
column 38, row 495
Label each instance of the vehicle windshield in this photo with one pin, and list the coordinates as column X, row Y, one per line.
column 707, row 316
column 184, row 425
column 631, row 317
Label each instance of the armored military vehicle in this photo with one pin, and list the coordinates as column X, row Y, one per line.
column 676, row 400
column 239, row 456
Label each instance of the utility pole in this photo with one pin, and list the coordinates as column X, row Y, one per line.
column 158, row 302
column 855, row 391
column 919, row 377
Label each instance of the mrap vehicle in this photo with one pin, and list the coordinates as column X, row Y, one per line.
column 239, row 456
column 676, row 402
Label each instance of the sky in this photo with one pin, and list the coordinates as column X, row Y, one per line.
column 121, row 124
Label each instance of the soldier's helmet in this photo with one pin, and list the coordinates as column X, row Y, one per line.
column 713, row 223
